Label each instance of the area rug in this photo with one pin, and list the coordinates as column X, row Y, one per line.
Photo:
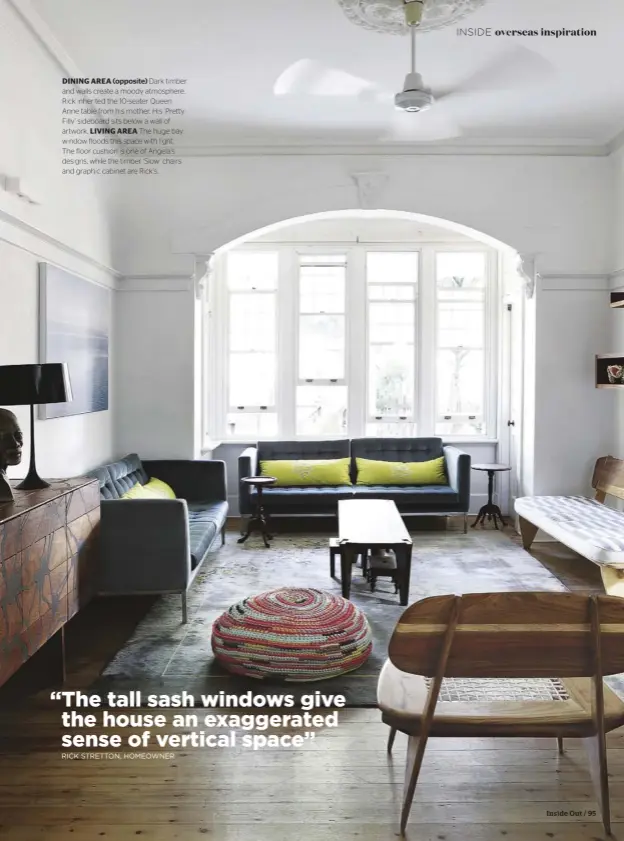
column 164, row 656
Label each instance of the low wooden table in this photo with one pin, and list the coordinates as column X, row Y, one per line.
column 373, row 524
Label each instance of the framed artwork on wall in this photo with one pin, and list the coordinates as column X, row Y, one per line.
column 74, row 325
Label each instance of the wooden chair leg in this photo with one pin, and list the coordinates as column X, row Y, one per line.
column 528, row 532
column 560, row 745
column 596, row 749
column 332, row 563
column 391, row 738
column 415, row 754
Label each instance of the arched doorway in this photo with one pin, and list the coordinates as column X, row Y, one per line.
column 342, row 229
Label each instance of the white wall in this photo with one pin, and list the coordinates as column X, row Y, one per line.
column 552, row 206
column 574, row 421
column 155, row 347
column 68, row 228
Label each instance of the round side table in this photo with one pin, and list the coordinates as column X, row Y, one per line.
column 259, row 520
column 490, row 510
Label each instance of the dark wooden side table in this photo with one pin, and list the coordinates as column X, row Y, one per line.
column 490, row 510
column 260, row 520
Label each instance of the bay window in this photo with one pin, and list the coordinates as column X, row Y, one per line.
column 319, row 341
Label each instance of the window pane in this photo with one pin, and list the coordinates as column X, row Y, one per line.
column 255, row 425
column 252, row 321
column 391, row 323
column 322, row 290
column 460, row 270
column 322, row 347
column 391, row 387
column 392, row 266
column 252, row 379
column 461, row 324
column 321, row 410
column 248, row 270
column 379, row 292
column 460, row 382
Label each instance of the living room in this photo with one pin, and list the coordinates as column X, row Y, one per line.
column 308, row 281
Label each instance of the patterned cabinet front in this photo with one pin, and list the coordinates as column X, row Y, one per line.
column 48, row 544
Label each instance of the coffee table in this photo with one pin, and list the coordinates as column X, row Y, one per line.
column 373, row 524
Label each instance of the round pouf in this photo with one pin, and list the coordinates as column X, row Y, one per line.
column 293, row 634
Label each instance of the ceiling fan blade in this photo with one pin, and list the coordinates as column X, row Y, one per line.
column 516, row 68
column 422, row 127
column 313, row 78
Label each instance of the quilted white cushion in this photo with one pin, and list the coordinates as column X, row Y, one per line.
column 589, row 527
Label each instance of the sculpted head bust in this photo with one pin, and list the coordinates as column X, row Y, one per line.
column 11, row 441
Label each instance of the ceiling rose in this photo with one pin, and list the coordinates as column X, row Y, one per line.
column 389, row 15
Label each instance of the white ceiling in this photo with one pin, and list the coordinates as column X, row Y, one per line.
column 234, row 52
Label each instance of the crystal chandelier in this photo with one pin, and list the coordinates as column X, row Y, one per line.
column 393, row 15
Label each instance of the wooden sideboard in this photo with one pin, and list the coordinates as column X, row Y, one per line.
column 48, row 554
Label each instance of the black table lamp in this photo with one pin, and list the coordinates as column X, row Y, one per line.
column 30, row 385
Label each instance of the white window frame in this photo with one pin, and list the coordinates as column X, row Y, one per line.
column 399, row 248
column 356, row 337
column 490, row 342
column 217, row 400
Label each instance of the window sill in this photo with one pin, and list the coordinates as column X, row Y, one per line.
column 245, row 442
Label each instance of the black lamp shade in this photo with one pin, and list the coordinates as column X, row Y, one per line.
column 23, row 385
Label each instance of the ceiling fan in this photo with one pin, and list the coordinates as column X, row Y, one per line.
column 419, row 112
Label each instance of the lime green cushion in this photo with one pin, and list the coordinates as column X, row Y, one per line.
column 137, row 492
column 401, row 472
column 308, row 473
column 154, row 489
column 160, row 489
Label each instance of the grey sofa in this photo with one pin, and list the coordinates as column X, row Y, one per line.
column 409, row 499
column 158, row 545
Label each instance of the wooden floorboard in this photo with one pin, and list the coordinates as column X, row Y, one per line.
column 340, row 786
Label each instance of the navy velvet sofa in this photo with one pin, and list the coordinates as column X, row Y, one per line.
column 453, row 498
column 158, row 545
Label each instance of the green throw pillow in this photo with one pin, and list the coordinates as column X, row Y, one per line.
column 401, row 472
column 308, row 473
column 160, row 489
column 154, row 489
column 137, row 491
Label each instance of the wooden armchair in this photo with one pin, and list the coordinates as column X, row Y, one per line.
column 571, row 637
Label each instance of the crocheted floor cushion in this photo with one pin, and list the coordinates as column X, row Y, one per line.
column 293, row 634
